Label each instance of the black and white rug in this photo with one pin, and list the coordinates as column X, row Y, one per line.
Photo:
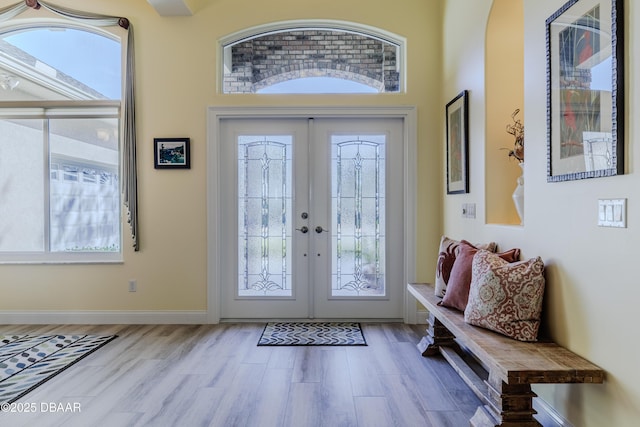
column 312, row 333
column 26, row 361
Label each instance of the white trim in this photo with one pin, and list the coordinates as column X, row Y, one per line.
column 545, row 408
column 408, row 113
column 312, row 24
column 57, row 21
column 410, row 209
column 422, row 315
column 98, row 317
column 216, row 114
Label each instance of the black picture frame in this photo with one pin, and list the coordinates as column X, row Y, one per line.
column 585, row 90
column 171, row 153
column 457, row 144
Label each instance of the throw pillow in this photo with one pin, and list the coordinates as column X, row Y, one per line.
column 460, row 278
column 506, row 297
column 446, row 257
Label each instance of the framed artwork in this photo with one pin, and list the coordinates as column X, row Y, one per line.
column 458, row 144
column 585, row 90
column 171, row 153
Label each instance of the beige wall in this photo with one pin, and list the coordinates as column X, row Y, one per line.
column 176, row 81
column 591, row 293
column 591, row 275
column 504, row 76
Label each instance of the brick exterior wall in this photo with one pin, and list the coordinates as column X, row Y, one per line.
column 273, row 58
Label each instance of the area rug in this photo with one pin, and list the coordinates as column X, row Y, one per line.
column 312, row 333
column 26, row 361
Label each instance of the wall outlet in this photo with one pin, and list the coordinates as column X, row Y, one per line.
column 133, row 285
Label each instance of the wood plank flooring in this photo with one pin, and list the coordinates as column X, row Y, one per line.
column 215, row 375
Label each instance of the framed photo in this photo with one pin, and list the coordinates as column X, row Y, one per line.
column 585, row 90
column 171, row 153
column 458, row 144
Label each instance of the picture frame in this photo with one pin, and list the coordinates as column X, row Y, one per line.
column 171, row 153
column 457, row 144
column 585, row 90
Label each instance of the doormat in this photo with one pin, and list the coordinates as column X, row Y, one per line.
column 312, row 333
column 26, row 361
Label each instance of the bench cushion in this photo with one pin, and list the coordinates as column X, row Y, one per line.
column 506, row 297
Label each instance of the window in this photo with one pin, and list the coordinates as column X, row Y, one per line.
column 60, row 91
column 318, row 85
column 313, row 57
column 59, row 63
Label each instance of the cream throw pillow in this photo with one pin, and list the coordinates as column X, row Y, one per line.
column 506, row 297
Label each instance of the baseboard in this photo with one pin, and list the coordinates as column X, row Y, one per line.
column 421, row 317
column 548, row 416
column 102, row 317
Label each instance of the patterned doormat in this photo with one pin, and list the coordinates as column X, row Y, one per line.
column 26, row 361
column 312, row 333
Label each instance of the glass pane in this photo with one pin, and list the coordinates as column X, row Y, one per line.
column 264, row 206
column 84, row 185
column 358, row 205
column 311, row 61
column 318, row 85
column 57, row 63
column 22, row 200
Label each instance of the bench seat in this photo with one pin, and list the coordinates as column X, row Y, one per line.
column 511, row 365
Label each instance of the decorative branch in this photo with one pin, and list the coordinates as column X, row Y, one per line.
column 517, row 130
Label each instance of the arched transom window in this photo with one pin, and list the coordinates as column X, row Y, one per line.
column 312, row 57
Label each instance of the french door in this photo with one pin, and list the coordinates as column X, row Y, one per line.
column 311, row 218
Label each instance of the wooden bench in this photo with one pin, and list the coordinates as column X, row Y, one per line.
column 511, row 366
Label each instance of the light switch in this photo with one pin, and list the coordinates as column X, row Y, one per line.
column 612, row 213
column 469, row 210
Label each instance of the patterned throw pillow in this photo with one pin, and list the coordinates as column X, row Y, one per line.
column 460, row 277
column 506, row 297
column 449, row 249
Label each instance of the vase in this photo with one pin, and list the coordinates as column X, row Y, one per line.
column 518, row 195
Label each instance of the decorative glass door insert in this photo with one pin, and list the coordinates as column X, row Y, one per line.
column 264, row 209
column 358, row 206
column 309, row 214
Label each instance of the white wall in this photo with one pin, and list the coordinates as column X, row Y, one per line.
column 591, row 277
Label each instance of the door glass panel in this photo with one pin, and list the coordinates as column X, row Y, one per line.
column 358, row 221
column 264, row 212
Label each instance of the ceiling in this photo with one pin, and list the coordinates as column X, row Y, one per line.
column 177, row 7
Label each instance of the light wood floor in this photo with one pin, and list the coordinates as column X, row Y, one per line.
column 215, row 375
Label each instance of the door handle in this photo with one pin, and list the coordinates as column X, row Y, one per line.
column 304, row 229
column 319, row 229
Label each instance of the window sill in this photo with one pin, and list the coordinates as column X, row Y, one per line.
column 64, row 258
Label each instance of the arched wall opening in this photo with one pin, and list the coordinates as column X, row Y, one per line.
column 504, row 94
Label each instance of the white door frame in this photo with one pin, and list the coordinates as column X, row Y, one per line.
column 216, row 114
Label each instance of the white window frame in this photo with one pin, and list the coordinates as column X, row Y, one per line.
column 76, row 108
column 63, row 110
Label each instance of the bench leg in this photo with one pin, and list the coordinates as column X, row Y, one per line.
column 508, row 405
column 437, row 335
